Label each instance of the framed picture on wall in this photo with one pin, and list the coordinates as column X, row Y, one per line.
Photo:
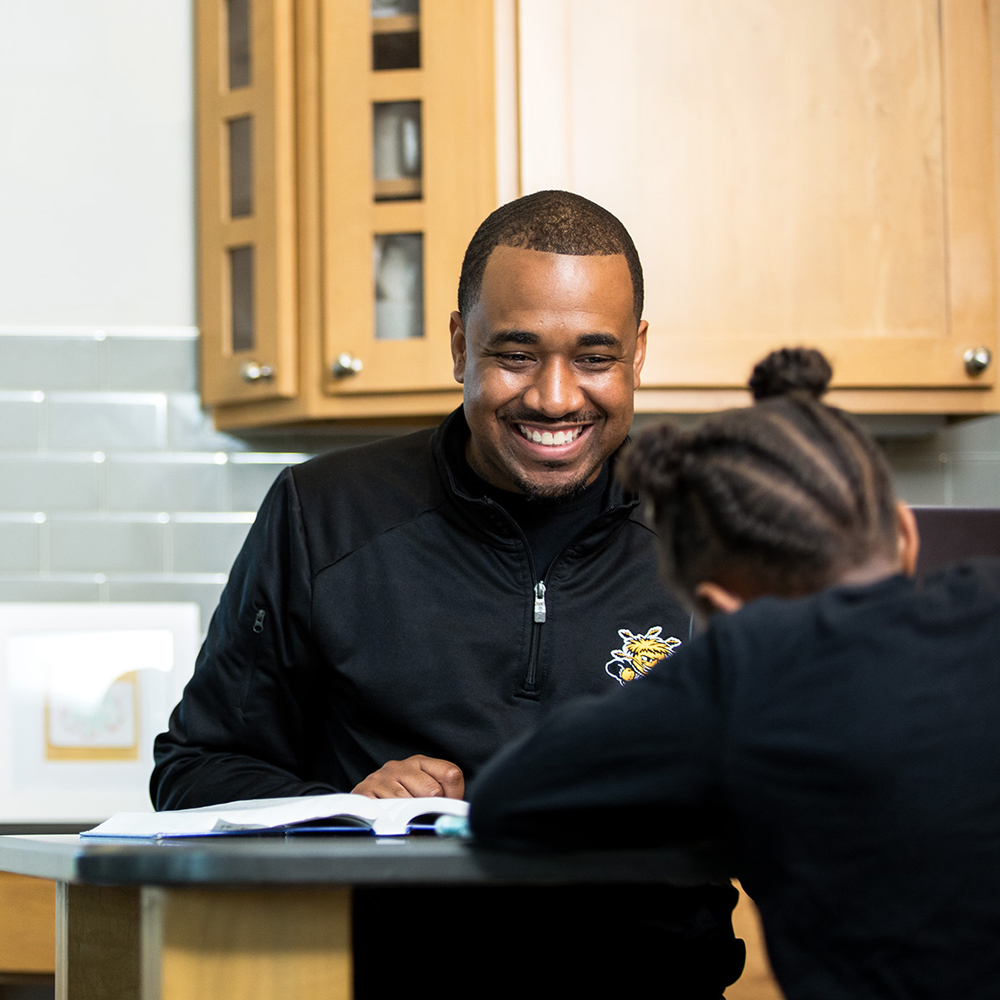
column 84, row 689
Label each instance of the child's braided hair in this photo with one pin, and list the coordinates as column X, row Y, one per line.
column 782, row 496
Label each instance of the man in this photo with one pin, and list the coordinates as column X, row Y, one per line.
column 401, row 611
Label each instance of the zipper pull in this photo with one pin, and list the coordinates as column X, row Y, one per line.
column 258, row 624
column 539, row 601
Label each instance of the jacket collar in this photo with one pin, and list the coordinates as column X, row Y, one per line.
column 448, row 447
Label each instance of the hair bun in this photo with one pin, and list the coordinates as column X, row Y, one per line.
column 791, row 369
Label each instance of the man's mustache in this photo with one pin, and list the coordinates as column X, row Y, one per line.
column 532, row 417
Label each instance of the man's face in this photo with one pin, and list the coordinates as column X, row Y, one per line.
column 549, row 358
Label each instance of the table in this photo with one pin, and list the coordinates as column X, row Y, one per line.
column 241, row 917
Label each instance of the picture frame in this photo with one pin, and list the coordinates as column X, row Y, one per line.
column 84, row 689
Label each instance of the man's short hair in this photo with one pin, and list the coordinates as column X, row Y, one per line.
column 550, row 222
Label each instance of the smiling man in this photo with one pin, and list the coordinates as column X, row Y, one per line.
column 550, row 354
column 401, row 611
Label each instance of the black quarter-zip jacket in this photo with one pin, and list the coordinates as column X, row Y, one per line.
column 378, row 610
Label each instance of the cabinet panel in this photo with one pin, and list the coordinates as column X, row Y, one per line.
column 374, row 244
column 818, row 173
column 27, row 925
column 246, row 194
column 330, row 260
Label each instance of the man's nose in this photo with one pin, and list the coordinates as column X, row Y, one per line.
column 555, row 391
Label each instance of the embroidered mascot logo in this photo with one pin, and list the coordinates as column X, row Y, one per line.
column 639, row 654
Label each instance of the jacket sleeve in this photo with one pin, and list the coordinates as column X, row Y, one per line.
column 639, row 766
column 239, row 730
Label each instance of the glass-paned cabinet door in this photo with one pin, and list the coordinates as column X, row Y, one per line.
column 412, row 159
column 246, row 194
column 396, row 143
column 395, row 34
column 399, row 285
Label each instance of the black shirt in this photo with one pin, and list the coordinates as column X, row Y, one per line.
column 849, row 742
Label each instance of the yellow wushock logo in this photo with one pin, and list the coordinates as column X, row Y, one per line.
column 639, row 653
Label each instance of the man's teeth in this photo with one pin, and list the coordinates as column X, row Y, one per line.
column 548, row 437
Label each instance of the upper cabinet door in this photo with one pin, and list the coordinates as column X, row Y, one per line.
column 818, row 173
column 408, row 171
column 247, row 199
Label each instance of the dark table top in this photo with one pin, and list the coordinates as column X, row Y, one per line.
column 354, row 861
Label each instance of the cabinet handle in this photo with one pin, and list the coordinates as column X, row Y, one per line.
column 977, row 360
column 346, row 364
column 253, row 372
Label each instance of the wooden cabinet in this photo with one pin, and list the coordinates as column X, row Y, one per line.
column 346, row 156
column 757, row 981
column 821, row 173
column 27, row 930
column 247, row 204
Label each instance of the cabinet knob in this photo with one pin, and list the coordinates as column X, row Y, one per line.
column 346, row 364
column 253, row 372
column 977, row 360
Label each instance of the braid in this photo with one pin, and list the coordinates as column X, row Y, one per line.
column 787, row 494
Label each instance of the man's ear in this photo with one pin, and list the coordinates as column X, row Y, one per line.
column 718, row 598
column 457, row 328
column 640, row 354
column 907, row 539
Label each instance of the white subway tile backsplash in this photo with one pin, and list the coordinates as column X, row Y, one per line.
column 50, row 362
column 38, row 482
column 143, row 364
column 921, row 483
column 106, row 544
column 114, row 484
column 190, row 428
column 254, row 472
column 976, row 480
column 37, row 587
column 167, row 486
column 206, row 547
column 20, row 546
column 250, row 484
column 19, row 424
column 977, row 434
column 959, row 465
column 107, row 421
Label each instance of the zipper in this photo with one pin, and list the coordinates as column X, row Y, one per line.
column 540, row 602
column 250, row 673
column 538, row 595
column 540, row 610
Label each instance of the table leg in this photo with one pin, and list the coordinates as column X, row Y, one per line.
column 220, row 943
column 97, row 942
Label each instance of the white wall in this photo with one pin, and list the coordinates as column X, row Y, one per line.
column 96, row 163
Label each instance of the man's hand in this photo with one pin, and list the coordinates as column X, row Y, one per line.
column 414, row 777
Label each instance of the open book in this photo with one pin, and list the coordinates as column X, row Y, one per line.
column 301, row 814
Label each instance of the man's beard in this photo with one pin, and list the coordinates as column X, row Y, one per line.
column 557, row 491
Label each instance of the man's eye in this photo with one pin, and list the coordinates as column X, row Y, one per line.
column 596, row 360
column 516, row 359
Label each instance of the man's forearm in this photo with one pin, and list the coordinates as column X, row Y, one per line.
column 184, row 779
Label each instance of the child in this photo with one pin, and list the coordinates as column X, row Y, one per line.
column 838, row 726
